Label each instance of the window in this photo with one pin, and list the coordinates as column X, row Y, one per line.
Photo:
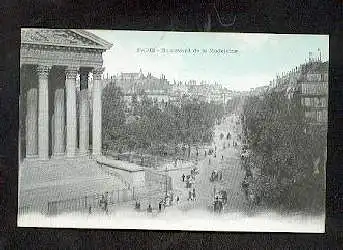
column 313, row 77
column 307, row 101
column 325, row 77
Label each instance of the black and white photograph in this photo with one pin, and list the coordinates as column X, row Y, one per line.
column 161, row 130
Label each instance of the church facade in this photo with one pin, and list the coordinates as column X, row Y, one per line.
column 56, row 117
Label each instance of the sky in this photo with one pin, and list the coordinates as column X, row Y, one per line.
column 259, row 58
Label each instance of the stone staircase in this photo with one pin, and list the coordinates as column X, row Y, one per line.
column 61, row 179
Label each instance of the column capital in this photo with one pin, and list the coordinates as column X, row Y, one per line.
column 97, row 73
column 71, row 72
column 85, row 71
column 43, row 71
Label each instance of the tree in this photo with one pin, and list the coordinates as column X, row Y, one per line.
column 134, row 104
column 275, row 127
column 113, row 115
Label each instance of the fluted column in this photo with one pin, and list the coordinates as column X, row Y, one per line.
column 71, row 74
column 84, row 113
column 43, row 111
column 97, row 111
column 59, row 121
column 31, row 123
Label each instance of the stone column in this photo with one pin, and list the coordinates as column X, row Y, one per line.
column 97, row 111
column 71, row 74
column 43, row 112
column 84, row 113
column 59, row 121
column 31, row 123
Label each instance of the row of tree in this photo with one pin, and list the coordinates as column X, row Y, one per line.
column 288, row 154
column 151, row 126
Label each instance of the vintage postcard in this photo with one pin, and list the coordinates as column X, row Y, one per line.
column 173, row 130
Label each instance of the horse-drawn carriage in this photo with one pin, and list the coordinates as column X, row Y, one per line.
column 222, row 196
column 221, row 136
column 216, row 176
column 220, row 200
column 210, row 151
column 190, row 181
column 194, row 171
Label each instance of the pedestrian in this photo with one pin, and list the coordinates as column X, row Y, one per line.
column 177, row 199
column 101, row 202
column 90, row 210
column 149, row 209
column 216, row 204
column 194, row 193
column 224, row 197
column 246, row 193
column 183, row 177
column 220, row 206
column 106, row 206
column 258, row 200
column 222, row 157
column 189, row 195
column 160, row 206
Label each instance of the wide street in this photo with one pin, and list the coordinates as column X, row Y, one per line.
column 230, row 165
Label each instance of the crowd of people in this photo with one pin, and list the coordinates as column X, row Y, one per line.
column 219, row 198
column 168, row 200
column 190, row 181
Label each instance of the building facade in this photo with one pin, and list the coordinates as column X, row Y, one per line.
column 313, row 92
column 53, row 63
column 308, row 86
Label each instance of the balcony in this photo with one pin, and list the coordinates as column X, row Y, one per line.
column 314, row 88
column 316, row 116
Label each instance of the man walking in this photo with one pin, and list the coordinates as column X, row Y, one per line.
column 149, row 209
column 189, row 195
